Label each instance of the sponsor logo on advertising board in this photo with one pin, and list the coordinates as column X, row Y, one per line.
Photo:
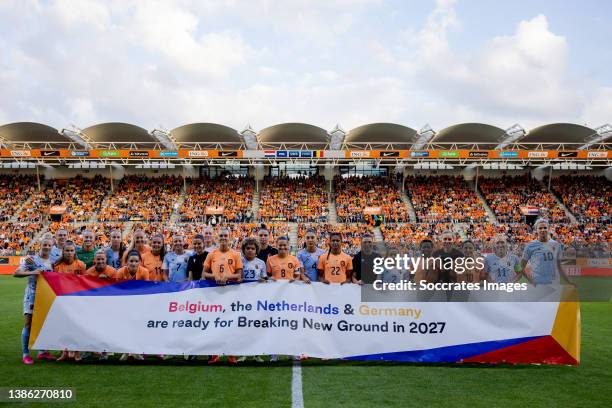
column 228, row 153
column 281, row 153
column 50, row 153
column 567, row 154
column 360, row 154
column 419, row 154
column 109, row 153
column 508, row 154
column 168, row 154
column 79, row 153
column 449, row 153
column 139, row 153
column 537, row 154
column 479, row 154
column 597, row 155
column 198, row 153
column 389, row 154
column 20, row 153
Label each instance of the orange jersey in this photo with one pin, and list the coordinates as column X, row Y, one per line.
column 109, row 271
column 283, row 268
column 223, row 263
column 141, row 274
column 76, row 268
column 154, row 264
column 335, row 267
column 142, row 254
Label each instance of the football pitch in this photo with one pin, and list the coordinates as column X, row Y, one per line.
column 323, row 383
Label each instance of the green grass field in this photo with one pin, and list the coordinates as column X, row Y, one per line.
column 325, row 383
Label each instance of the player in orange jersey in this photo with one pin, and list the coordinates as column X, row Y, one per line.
column 139, row 243
column 101, row 269
column 68, row 263
column 223, row 264
column 335, row 266
column 283, row 265
column 154, row 259
column 133, row 270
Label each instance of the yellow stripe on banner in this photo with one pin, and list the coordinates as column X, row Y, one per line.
column 45, row 296
column 566, row 330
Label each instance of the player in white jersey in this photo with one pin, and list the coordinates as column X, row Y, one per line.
column 393, row 274
column 502, row 265
column 41, row 262
column 543, row 255
column 253, row 270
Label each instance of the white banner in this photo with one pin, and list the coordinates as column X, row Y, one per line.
column 316, row 320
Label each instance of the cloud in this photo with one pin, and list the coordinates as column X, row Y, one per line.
column 263, row 62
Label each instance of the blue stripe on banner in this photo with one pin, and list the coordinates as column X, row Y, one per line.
column 139, row 287
column 444, row 354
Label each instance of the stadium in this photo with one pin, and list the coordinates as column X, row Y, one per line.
column 396, row 183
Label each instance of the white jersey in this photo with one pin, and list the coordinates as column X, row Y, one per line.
column 392, row 275
column 253, row 270
column 502, row 269
column 542, row 257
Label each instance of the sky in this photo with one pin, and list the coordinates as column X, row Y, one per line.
column 324, row 62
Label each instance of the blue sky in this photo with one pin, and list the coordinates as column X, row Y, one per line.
column 321, row 62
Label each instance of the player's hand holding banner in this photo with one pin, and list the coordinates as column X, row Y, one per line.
column 318, row 320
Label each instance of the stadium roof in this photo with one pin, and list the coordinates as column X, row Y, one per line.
column 210, row 135
column 397, row 136
column 119, row 133
column 20, row 132
column 558, row 133
column 294, row 134
column 470, row 133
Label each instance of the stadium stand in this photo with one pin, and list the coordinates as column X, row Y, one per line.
column 15, row 190
column 354, row 194
column 444, row 199
column 235, row 195
column 82, row 198
column 16, row 237
column 507, row 194
column 589, row 198
column 140, row 198
column 301, row 199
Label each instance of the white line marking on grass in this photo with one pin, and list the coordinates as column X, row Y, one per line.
column 297, row 398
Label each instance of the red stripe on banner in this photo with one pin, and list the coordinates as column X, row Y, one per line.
column 543, row 350
column 65, row 284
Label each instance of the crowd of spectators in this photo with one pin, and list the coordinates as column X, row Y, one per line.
column 235, row 195
column 589, row 198
column 444, row 199
column 81, row 197
column 505, row 196
column 15, row 190
column 15, row 237
column 354, row 194
column 140, row 198
column 300, row 199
